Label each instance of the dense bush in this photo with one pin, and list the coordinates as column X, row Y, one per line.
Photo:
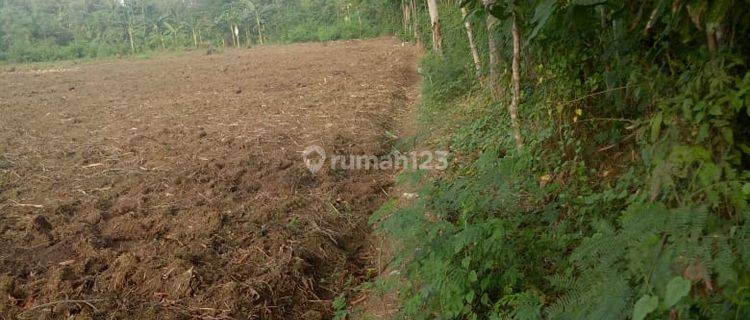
column 629, row 196
column 42, row 30
column 339, row 30
column 50, row 51
column 354, row 28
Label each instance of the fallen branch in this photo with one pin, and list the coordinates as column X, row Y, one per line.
column 49, row 304
column 359, row 300
column 596, row 94
column 18, row 204
column 608, row 119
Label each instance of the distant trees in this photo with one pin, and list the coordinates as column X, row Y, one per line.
column 36, row 30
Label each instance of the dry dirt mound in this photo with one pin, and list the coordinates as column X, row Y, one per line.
column 173, row 187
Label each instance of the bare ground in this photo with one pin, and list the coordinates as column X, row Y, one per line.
column 173, row 187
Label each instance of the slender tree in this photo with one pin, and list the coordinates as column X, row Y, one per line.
column 516, row 79
column 472, row 45
column 437, row 39
column 492, row 54
column 258, row 25
column 405, row 16
column 415, row 20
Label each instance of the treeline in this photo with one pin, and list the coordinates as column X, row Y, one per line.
column 40, row 30
column 600, row 161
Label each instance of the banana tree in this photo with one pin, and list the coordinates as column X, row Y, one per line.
column 250, row 13
column 261, row 10
column 173, row 30
column 231, row 18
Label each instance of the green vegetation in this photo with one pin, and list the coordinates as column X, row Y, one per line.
column 625, row 195
column 44, row 30
column 628, row 197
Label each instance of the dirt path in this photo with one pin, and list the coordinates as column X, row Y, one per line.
column 174, row 187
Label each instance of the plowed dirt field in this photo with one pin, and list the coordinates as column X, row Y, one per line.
column 174, row 188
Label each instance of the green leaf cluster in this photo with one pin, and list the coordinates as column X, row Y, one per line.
column 630, row 196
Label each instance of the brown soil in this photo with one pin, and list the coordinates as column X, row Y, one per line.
column 173, row 188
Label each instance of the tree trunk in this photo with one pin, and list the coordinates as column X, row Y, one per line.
column 415, row 20
column 260, row 33
column 231, row 32
column 437, row 40
column 513, row 107
column 248, row 42
column 404, row 15
column 130, row 36
column 711, row 38
column 492, row 50
column 145, row 26
column 237, row 36
column 472, row 45
column 195, row 38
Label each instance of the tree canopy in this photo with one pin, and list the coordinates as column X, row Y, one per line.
column 39, row 30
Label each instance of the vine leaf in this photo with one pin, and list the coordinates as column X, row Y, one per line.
column 656, row 122
column 644, row 306
column 586, row 3
column 677, row 288
column 541, row 15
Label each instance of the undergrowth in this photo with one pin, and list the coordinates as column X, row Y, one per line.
column 628, row 199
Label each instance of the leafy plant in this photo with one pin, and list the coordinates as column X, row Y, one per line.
column 340, row 311
column 629, row 196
